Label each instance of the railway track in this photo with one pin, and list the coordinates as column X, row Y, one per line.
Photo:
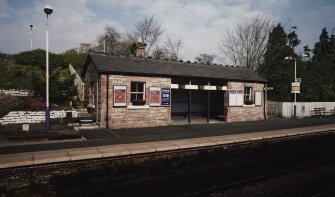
column 254, row 180
column 329, row 192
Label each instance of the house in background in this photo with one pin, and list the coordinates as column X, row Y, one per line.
column 129, row 92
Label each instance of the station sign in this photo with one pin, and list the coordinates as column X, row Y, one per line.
column 295, row 88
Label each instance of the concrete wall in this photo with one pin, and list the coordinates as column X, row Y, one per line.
column 15, row 92
column 286, row 109
column 245, row 112
column 131, row 116
column 19, row 117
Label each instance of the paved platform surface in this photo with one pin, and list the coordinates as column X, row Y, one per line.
column 96, row 152
column 140, row 135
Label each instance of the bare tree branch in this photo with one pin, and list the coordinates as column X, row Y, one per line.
column 114, row 42
column 246, row 44
column 173, row 47
column 149, row 30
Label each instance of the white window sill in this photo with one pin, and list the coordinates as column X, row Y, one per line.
column 138, row 106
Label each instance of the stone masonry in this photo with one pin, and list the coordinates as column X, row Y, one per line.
column 131, row 117
column 245, row 112
column 18, row 117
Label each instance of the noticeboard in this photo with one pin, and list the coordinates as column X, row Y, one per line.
column 236, row 98
column 258, row 98
column 154, row 96
column 165, row 96
column 120, row 98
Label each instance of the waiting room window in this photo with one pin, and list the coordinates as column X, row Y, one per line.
column 137, row 93
column 248, row 95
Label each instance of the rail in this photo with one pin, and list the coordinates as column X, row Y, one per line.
column 264, row 177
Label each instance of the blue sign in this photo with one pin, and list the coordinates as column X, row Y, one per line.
column 166, row 97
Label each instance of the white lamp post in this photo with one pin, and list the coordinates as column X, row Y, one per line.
column 295, row 80
column 48, row 10
column 31, row 37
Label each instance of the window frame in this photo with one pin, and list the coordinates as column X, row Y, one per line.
column 137, row 92
column 248, row 96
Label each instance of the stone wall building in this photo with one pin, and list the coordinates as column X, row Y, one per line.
column 128, row 92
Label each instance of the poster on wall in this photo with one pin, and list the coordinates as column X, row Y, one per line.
column 120, row 96
column 154, row 96
column 166, row 97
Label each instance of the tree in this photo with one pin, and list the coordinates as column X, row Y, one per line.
column 173, row 47
column 109, row 40
column 159, row 53
column 114, row 42
column 205, row 59
column 62, row 88
column 37, row 58
column 278, row 72
column 246, row 44
column 76, row 59
column 324, row 60
column 149, row 30
column 293, row 39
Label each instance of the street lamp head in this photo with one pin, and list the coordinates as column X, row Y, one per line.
column 48, row 10
column 304, row 55
column 288, row 58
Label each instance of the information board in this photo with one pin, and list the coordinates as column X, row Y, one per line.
column 165, row 96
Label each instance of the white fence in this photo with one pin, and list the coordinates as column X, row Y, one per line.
column 286, row 109
column 19, row 117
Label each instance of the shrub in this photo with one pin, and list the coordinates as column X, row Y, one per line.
column 35, row 103
column 8, row 103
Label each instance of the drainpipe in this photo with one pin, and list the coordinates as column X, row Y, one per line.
column 107, row 100
column 189, row 105
column 208, row 103
column 265, row 91
column 97, row 101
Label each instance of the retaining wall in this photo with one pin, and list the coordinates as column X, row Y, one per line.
column 15, row 92
column 19, row 117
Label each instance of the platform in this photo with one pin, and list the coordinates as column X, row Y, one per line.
column 108, row 151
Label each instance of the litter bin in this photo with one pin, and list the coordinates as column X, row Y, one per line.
column 68, row 116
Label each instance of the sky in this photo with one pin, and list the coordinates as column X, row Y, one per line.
column 200, row 23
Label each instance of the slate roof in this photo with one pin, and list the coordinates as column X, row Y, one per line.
column 144, row 66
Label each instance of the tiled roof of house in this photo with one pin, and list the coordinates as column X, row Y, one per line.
column 153, row 67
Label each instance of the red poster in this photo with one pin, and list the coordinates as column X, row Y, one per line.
column 154, row 96
column 120, row 98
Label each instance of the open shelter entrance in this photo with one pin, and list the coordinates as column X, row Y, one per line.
column 197, row 101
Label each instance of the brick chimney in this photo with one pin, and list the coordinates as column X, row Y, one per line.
column 140, row 48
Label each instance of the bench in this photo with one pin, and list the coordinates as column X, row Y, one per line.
column 332, row 112
column 319, row 112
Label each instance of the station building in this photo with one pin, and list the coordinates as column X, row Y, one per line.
column 129, row 92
